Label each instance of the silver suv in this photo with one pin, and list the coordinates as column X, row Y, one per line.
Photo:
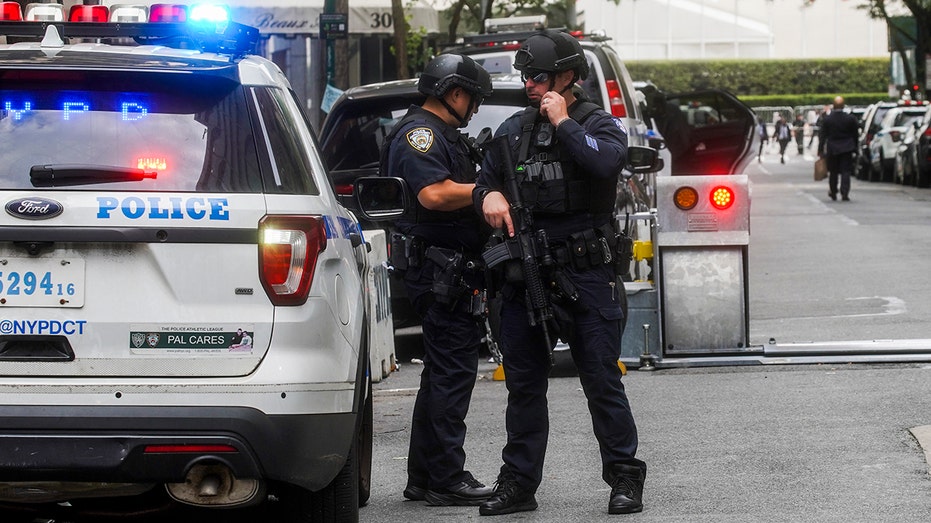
column 183, row 321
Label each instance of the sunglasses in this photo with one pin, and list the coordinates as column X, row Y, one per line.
column 538, row 78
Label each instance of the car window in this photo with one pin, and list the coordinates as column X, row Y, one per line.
column 360, row 129
column 183, row 129
column 906, row 118
column 878, row 117
column 704, row 110
column 291, row 167
column 502, row 62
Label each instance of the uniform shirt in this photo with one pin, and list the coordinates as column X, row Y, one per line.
column 426, row 151
column 598, row 147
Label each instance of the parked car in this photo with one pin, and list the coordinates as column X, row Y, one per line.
column 184, row 321
column 869, row 126
column 886, row 141
column 912, row 163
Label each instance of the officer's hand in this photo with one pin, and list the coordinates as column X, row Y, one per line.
column 553, row 107
column 497, row 211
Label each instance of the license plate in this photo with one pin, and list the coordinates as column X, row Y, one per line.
column 45, row 282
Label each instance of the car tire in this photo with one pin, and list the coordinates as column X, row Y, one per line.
column 365, row 440
column 338, row 502
column 921, row 178
column 885, row 171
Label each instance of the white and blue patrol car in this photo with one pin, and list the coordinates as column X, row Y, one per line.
column 183, row 310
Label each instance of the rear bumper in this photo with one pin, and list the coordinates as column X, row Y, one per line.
column 108, row 444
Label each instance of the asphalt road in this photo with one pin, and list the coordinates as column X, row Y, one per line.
column 761, row 443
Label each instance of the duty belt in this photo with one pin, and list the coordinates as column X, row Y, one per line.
column 583, row 250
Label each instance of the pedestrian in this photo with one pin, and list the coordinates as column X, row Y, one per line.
column 764, row 137
column 782, row 134
column 798, row 131
column 816, row 126
column 436, row 250
column 570, row 153
column 837, row 143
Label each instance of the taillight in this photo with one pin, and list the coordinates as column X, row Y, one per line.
column 10, row 11
column 288, row 250
column 616, row 98
column 344, row 189
column 722, row 197
column 685, row 198
column 89, row 13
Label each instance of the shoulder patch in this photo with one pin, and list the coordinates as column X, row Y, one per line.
column 420, row 138
column 620, row 125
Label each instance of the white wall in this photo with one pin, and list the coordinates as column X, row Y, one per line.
column 682, row 29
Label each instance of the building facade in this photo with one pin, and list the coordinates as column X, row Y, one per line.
column 745, row 29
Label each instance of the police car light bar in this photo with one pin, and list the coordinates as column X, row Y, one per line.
column 204, row 27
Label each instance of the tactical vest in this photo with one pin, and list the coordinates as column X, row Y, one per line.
column 462, row 170
column 551, row 181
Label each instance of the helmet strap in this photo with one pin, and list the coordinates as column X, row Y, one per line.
column 449, row 108
column 568, row 86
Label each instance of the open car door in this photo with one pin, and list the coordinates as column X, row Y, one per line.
column 707, row 132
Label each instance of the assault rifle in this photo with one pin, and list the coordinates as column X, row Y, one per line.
column 527, row 245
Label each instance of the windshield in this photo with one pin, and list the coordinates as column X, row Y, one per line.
column 193, row 132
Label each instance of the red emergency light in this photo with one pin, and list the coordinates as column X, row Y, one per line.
column 722, row 197
column 89, row 13
column 10, row 11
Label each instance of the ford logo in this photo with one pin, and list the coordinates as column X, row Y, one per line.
column 34, row 208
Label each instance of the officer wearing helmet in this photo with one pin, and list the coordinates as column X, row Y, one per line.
column 566, row 155
column 436, row 250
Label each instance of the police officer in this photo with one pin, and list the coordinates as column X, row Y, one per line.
column 437, row 249
column 570, row 153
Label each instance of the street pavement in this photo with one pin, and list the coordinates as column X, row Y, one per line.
column 739, row 444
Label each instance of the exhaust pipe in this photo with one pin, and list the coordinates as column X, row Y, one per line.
column 214, row 485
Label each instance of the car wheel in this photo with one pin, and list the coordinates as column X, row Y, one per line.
column 885, row 170
column 364, row 441
column 921, row 178
column 870, row 172
column 337, row 502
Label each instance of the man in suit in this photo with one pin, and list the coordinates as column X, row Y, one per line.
column 837, row 142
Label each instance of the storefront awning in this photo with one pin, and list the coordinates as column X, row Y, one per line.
column 302, row 17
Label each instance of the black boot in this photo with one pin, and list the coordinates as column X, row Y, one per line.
column 626, row 489
column 509, row 497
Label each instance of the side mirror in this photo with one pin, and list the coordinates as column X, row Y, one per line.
column 643, row 159
column 382, row 198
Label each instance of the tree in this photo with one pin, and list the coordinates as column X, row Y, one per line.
column 886, row 10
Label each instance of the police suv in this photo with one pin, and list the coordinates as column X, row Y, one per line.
column 183, row 319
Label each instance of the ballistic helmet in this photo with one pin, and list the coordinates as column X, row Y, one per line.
column 452, row 70
column 551, row 51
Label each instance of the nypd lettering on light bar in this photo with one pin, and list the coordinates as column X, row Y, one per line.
column 163, row 208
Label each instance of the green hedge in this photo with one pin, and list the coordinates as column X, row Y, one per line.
column 773, row 82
